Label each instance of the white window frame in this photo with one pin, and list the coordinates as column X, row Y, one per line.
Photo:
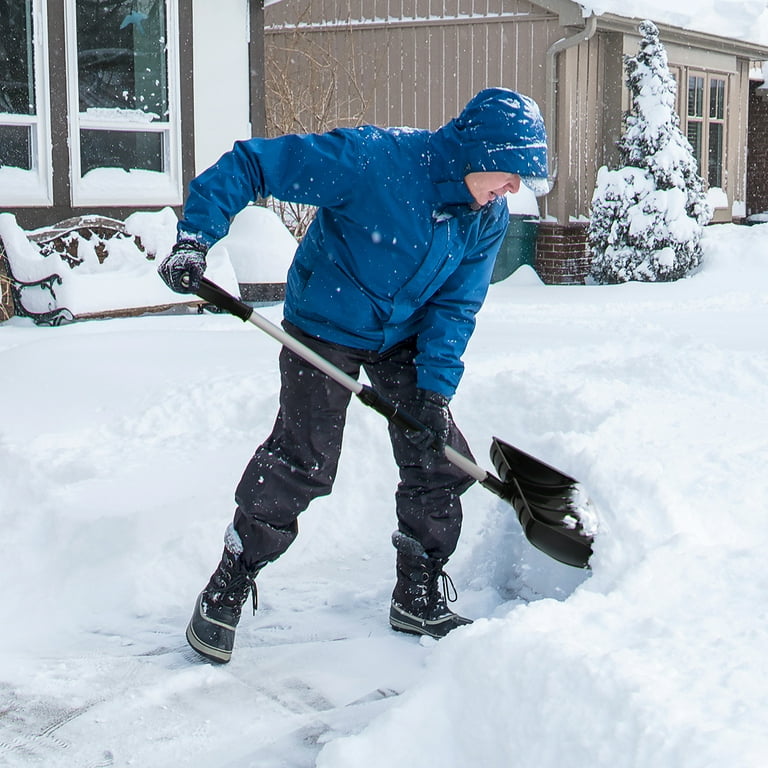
column 98, row 187
column 706, row 121
column 27, row 188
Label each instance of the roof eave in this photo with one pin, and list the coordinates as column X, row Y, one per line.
column 670, row 34
column 570, row 15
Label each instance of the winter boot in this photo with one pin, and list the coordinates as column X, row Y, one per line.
column 211, row 631
column 418, row 606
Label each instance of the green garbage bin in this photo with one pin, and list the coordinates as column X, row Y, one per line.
column 518, row 247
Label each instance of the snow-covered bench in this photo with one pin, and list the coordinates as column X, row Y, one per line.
column 93, row 266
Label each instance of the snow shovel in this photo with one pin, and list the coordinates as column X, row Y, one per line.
column 555, row 514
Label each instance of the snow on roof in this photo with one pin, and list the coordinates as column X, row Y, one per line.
column 740, row 19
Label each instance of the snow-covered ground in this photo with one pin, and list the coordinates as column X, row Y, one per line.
column 121, row 442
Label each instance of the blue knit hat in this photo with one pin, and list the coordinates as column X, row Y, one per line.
column 500, row 130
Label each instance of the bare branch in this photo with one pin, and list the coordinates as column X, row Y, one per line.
column 304, row 81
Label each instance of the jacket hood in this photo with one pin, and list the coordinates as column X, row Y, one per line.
column 498, row 130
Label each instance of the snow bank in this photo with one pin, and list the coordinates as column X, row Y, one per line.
column 657, row 659
column 121, row 444
column 259, row 246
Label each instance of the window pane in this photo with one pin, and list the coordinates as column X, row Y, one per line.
column 121, row 55
column 717, row 99
column 121, row 149
column 17, row 82
column 694, row 136
column 696, row 96
column 16, row 146
column 715, row 160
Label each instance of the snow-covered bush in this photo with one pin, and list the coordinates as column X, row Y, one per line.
column 648, row 216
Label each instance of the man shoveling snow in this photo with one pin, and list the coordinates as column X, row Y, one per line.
column 388, row 278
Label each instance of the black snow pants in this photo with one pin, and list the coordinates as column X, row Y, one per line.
column 298, row 461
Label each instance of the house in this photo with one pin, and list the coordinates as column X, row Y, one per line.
column 410, row 62
column 106, row 107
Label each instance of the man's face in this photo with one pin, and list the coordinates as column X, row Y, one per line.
column 485, row 186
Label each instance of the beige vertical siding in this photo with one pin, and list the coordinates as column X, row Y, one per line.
column 588, row 122
column 417, row 62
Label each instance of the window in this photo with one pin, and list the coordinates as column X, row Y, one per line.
column 716, row 131
column 705, row 124
column 25, row 154
column 117, row 141
column 123, row 102
column 696, row 114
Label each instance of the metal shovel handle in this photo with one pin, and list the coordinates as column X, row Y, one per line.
column 214, row 294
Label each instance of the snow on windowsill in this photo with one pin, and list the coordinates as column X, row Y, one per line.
column 119, row 115
column 717, row 198
column 21, row 187
column 116, row 186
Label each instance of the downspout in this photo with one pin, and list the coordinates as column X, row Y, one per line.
column 550, row 118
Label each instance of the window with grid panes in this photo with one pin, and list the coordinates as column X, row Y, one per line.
column 121, row 101
column 705, row 124
column 122, row 123
column 24, row 133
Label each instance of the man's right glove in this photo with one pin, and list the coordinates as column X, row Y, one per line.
column 432, row 412
column 182, row 270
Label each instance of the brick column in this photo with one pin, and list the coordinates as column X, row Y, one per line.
column 562, row 253
column 757, row 150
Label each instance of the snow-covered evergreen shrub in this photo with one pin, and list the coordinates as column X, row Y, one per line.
column 648, row 216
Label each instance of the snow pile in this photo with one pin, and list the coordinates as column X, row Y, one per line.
column 647, row 217
column 121, row 443
column 658, row 658
column 261, row 259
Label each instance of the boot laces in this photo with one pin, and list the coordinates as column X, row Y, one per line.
column 231, row 585
column 434, row 575
column 449, row 588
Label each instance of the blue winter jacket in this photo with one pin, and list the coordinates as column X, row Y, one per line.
column 395, row 249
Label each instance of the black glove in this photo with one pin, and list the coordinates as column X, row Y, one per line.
column 182, row 270
column 432, row 412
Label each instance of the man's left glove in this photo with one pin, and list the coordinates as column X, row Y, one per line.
column 182, row 270
column 433, row 413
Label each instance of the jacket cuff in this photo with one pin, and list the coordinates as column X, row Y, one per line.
column 195, row 237
column 428, row 381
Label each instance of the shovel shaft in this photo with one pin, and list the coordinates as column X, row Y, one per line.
column 303, row 351
column 217, row 296
column 466, row 465
column 220, row 298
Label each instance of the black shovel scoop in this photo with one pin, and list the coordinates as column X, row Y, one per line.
column 556, row 515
